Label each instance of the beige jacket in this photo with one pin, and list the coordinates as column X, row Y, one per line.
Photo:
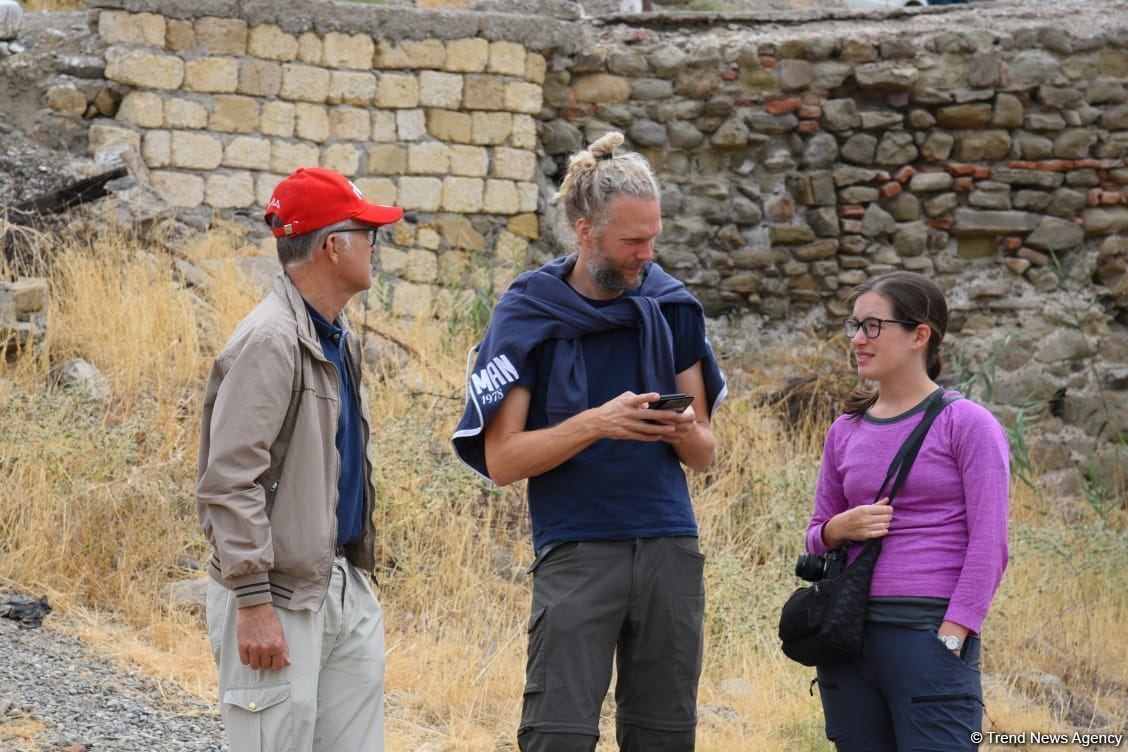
column 266, row 487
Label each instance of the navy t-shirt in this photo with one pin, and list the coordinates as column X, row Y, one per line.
column 350, row 446
column 614, row 489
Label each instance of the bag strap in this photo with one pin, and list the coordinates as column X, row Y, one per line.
column 903, row 460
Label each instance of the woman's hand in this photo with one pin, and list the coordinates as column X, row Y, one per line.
column 956, row 630
column 859, row 524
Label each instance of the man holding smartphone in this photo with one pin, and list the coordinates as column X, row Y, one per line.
column 284, row 490
column 562, row 393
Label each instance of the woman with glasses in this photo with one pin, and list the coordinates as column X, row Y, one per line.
column 916, row 683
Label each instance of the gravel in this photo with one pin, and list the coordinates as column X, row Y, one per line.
column 89, row 703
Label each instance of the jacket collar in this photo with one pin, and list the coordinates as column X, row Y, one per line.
column 285, row 289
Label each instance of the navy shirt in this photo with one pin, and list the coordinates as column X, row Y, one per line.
column 350, row 444
column 614, row 489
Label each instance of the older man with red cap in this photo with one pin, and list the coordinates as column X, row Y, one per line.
column 284, row 490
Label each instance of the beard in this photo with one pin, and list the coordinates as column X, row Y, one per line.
column 609, row 276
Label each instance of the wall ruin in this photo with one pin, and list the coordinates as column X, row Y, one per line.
column 800, row 154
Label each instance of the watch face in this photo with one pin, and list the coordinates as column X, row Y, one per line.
column 951, row 642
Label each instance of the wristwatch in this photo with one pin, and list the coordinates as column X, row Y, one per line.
column 950, row 641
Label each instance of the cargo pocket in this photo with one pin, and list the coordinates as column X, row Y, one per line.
column 832, row 712
column 535, row 666
column 258, row 719
column 945, row 721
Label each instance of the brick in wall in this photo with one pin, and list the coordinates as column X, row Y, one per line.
column 421, row 194
column 467, row 55
column 229, row 190
column 269, row 42
column 508, row 58
column 278, row 119
column 144, row 70
column 184, row 113
column 195, row 151
column 397, row 91
column 247, row 152
column 235, row 114
column 344, row 158
column 121, row 27
column 348, row 51
column 410, row 54
column 304, row 83
column 222, row 36
column 180, row 189
column 142, row 108
column 351, row 87
column 260, row 78
column 156, row 148
column 349, row 124
column 212, row 74
column 378, row 190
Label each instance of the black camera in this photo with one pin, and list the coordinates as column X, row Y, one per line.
column 812, row 567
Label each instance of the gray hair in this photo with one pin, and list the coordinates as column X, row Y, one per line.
column 297, row 249
column 597, row 175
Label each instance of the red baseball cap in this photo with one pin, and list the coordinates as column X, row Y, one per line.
column 314, row 197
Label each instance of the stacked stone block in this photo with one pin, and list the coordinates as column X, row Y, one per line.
column 222, row 110
column 23, row 315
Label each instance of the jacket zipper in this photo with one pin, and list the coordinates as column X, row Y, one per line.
column 336, row 487
column 327, row 573
column 368, row 529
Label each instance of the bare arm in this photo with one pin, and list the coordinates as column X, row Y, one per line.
column 513, row 453
column 693, row 439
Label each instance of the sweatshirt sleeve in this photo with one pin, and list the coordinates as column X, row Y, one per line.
column 983, row 456
column 830, row 499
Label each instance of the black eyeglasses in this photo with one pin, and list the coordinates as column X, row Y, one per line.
column 870, row 327
column 371, row 234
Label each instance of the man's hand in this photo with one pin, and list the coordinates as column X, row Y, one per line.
column 262, row 643
column 626, row 417
column 684, row 423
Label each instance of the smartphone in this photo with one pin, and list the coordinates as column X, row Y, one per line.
column 677, row 402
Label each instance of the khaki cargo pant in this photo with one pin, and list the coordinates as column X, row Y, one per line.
column 331, row 696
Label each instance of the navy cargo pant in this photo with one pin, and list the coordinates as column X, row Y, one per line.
column 639, row 603
column 906, row 692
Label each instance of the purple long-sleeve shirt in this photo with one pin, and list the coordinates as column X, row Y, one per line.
column 948, row 537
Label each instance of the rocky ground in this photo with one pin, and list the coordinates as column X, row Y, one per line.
column 55, row 694
column 38, row 148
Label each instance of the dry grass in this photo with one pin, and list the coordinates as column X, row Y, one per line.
column 17, row 728
column 52, row 6
column 96, row 510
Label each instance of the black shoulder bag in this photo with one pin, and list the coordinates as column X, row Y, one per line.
column 823, row 623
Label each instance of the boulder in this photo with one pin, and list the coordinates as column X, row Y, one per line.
column 973, row 222
column 1053, row 234
column 1106, row 220
column 11, row 19
column 79, row 375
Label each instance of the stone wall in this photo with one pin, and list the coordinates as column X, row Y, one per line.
column 798, row 161
column 800, row 154
column 984, row 146
column 433, row 111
